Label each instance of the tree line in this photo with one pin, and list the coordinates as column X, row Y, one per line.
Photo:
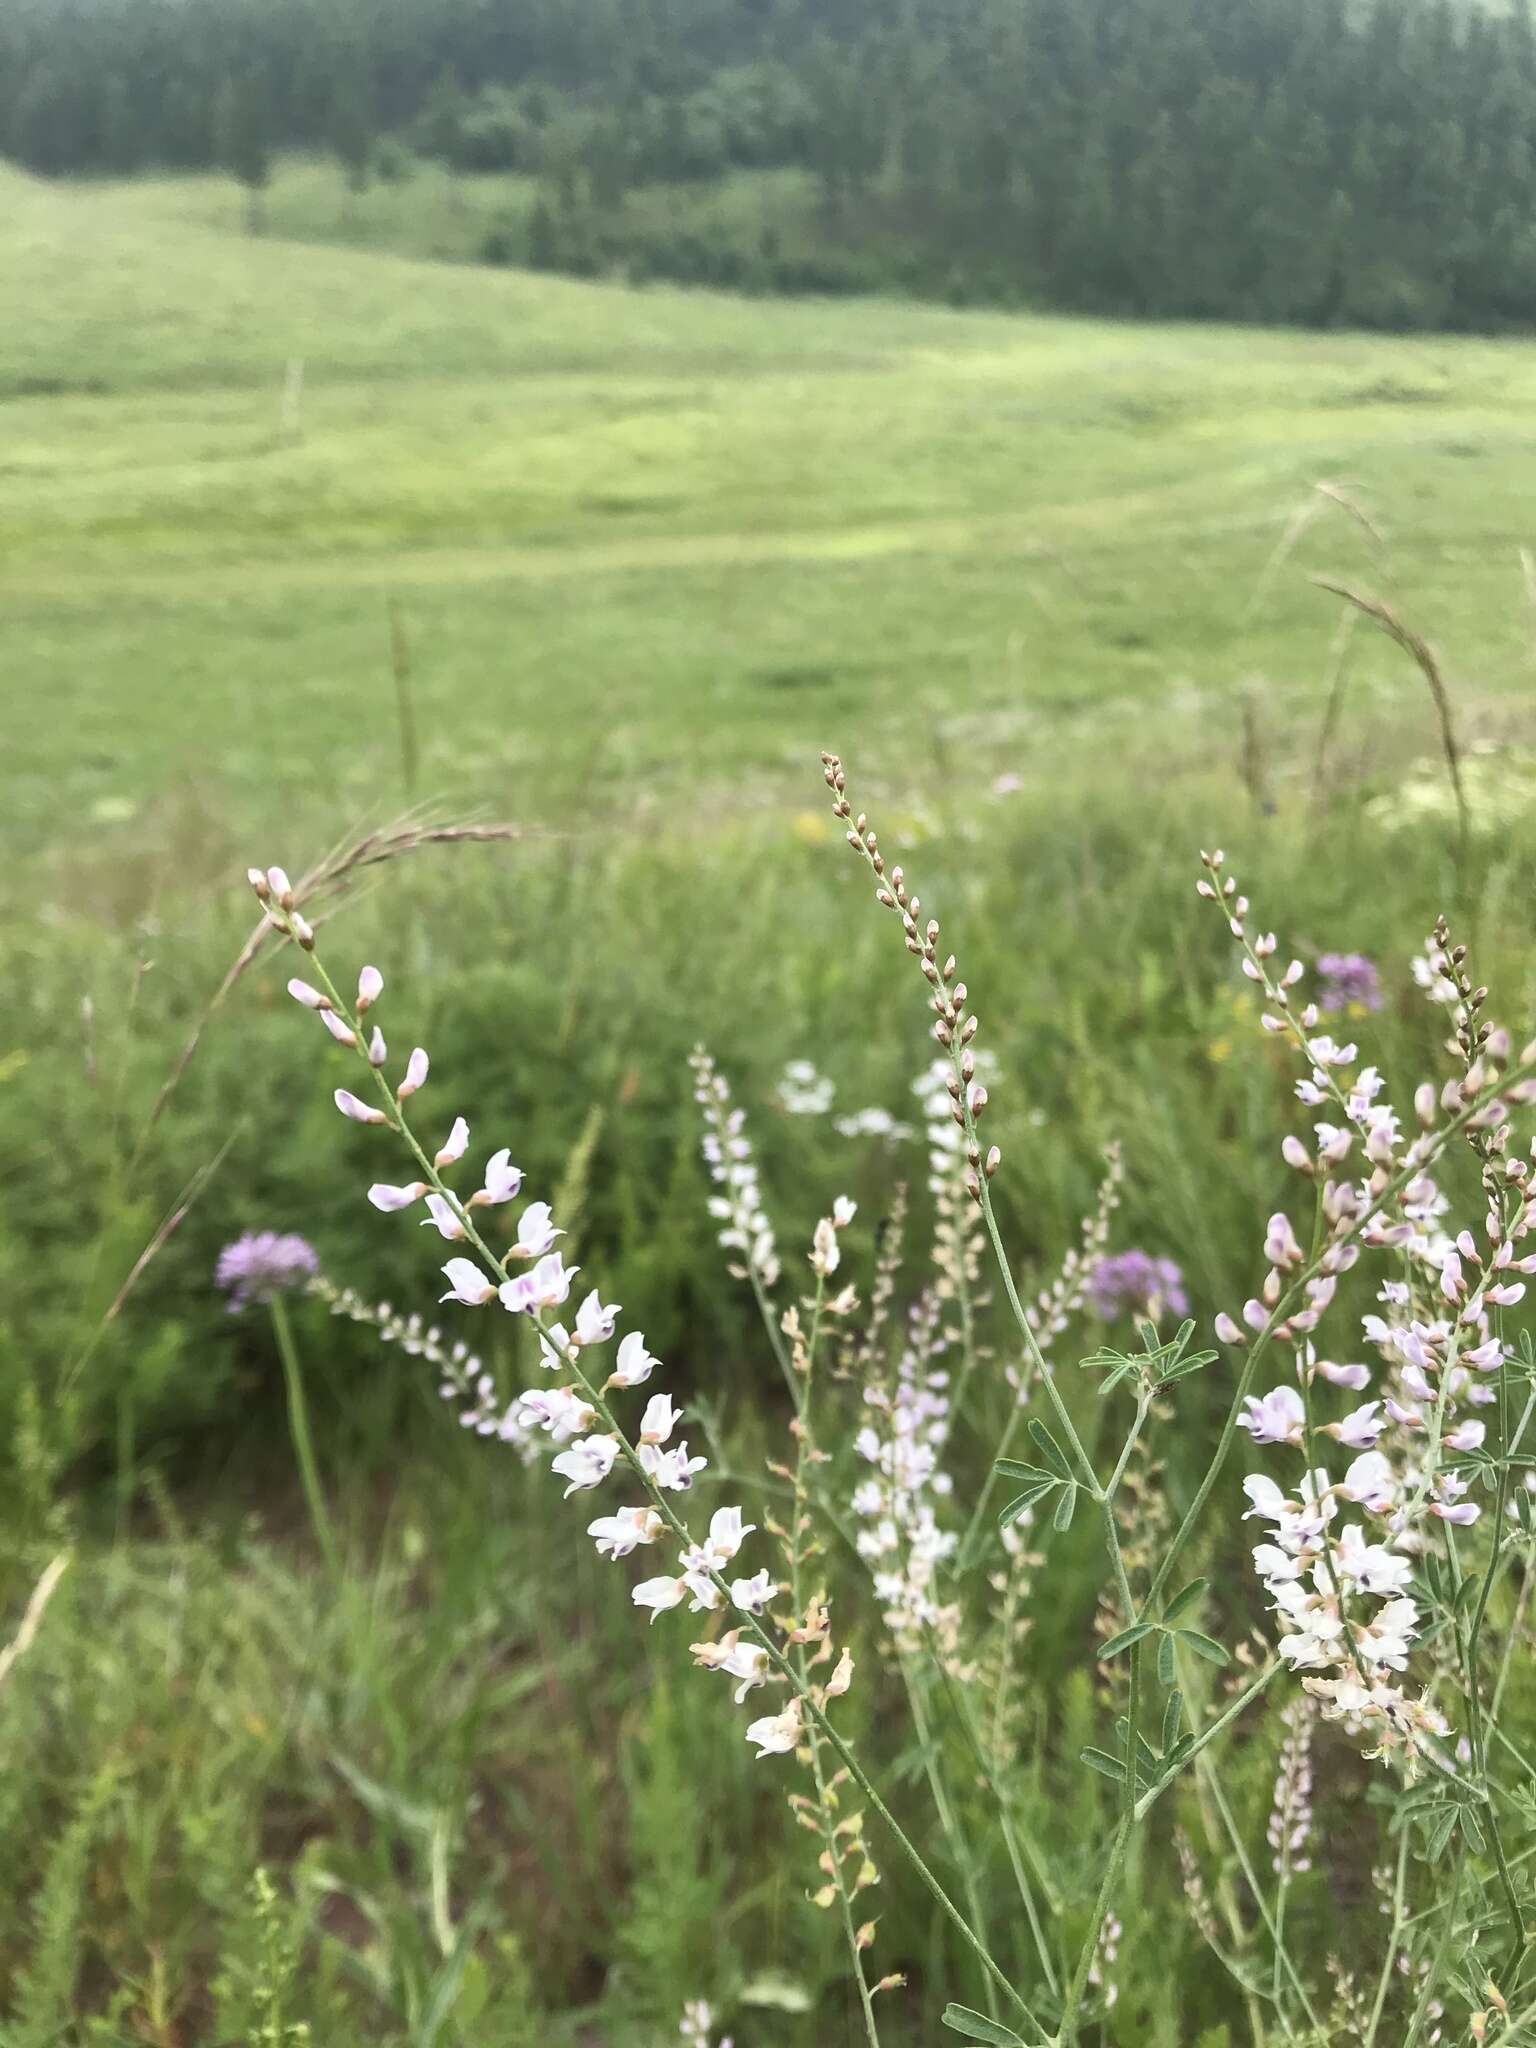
column 1310, row 161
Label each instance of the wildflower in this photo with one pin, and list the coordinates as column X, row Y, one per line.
column 466, row 1283
column 594, row 1322
column 752, row 1595
column 727, row 1532
column 586, row 1463
column 264, row 1263
column 634, row 1364
column 1290, row 1819
column 728, row 1155
column 456, row 1146
column 503, row 1181
column 360, row 1112
column 1135, row 1282
column 546, row 1286
column 415, row 1074
column 558, row 1410
column 804, row 1092
column 388, row 1198
column 378, row 1051
column 1347, row 982
column 311, row 998
column 671, row 1470
column 443, row 1216
column 536, row 1233
column 617, row 1535
column 1276, row 1419
column 874, row 1122
column 370, row 986
column 736, row 1658
column 659, row 1594
column 777, row 1734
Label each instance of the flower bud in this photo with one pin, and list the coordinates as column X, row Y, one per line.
column 994, row 1161
column 311, row 998
column 280, row 887
column 259, row 883
column 301, row 931
column 370, row 986
column 378, row 1051
column 415, row 1074
column 342, row 1033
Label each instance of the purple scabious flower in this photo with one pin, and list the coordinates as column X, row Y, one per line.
column 264, row 1263
column 1135, row 1282
column 1347, row 981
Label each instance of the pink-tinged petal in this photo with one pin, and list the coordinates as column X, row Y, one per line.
column 378, row 1051
column 466, row 1283
column 359, row 1112
column 388, row 1198
column 342, row 1033
column 280, row 886
column 415, row 1073
column 457, row 1145
column 311, row 998
column 370, row 986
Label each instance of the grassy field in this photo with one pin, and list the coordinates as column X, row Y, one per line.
column 664, row 542
column 1047, row 586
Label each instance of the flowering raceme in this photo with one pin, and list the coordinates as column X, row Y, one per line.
column 531, row 1279
column 1340, row 1548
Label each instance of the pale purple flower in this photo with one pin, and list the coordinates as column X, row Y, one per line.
column 1135, row 1282
column 1347, row 981
column 262, row 1264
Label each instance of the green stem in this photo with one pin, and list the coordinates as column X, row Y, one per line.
column 298, row 1430
column 1383, row 1982
column 797, row 1601
column 1067, row 2033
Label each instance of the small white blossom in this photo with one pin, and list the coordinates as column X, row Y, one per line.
column 586, row 1463
column 467, row 1283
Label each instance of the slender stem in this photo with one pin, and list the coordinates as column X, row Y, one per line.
column 1431, row 1975
column 298, row 1429
column 798, row 1519
column 1067, row 2033
column 1250, row 1878
column 958, row 1842
column 1207, row 1735
column 1383, row 1982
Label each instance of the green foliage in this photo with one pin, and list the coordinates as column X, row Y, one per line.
column 1308, row 163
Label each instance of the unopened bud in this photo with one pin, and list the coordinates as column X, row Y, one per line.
column 301, row 931
column 259, row 883
column 994, row 1161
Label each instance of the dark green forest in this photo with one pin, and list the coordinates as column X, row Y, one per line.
column 1304, row 161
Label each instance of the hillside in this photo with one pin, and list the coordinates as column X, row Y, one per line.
column 665, row 515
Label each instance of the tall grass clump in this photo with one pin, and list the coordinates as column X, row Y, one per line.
column 1306, row 1740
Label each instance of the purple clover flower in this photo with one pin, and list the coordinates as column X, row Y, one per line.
column 263, row 1263
column 1347, row 980
column 1135, row 1282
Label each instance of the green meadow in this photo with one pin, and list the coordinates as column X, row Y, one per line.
column 307, row 532
column 664, row 543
